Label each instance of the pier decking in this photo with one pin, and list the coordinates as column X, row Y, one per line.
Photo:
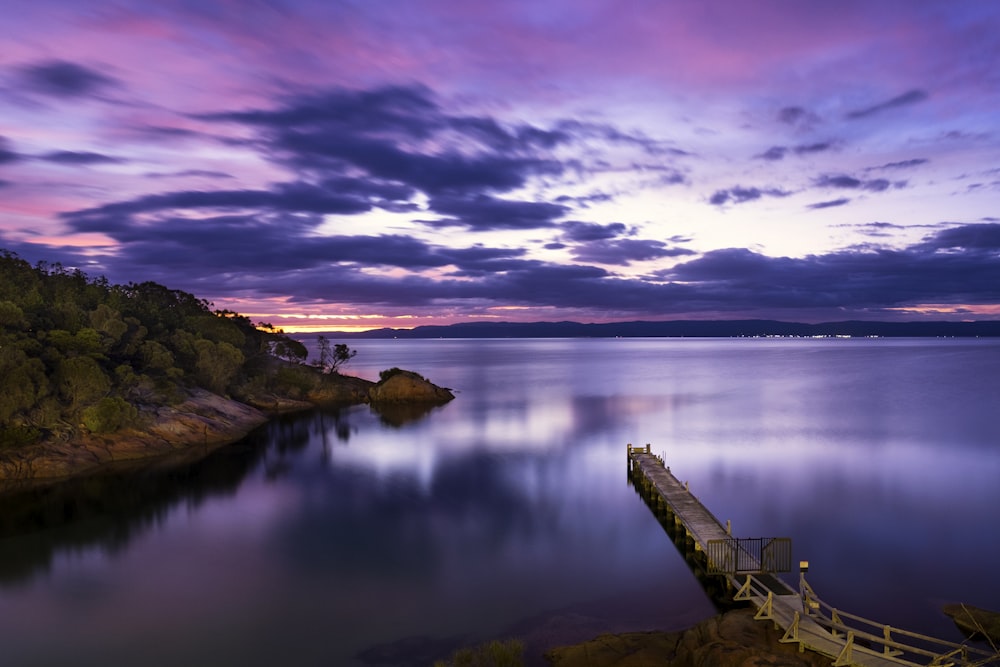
column 746, row 569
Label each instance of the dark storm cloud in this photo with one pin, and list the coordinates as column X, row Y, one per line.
column 576, row 230
column 401, row 134
column 791, row 115
column 60, row 78
column 265, row 244
column 818, row 147
column 849, row 182
column 775, row 153
column 343, row 196
column 904, row 164
column 741, row 195
column 622, row 252
column 979, row 237
column 906, row 99
column 928, row 272
column 278, row 256
column 829, row 204
column 79, row 158
column 484, row 212
column 7, row 154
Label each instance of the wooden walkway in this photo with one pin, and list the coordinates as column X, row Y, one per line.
column 747, row 570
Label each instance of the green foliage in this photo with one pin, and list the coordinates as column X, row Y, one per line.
column 507, row 653
column 17, row 436
column 295, row 381
column 22, row 382
column 75, row 349
column 109, row 414
column 217, row 364
column 11, row 316
column 81, row 381
column 289, row 349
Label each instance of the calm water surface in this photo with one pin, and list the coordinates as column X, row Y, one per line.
column 346, row 538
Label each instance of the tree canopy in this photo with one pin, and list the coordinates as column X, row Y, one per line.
column 77, row 352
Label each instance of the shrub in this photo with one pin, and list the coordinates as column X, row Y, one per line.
column 507, row 653
column 109, row 414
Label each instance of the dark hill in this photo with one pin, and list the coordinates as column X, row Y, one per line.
column 687, row 328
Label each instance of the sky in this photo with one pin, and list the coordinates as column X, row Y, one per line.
column 355, row 164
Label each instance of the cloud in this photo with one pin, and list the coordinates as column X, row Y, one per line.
column 202, row 173
column 775, row 153
column 7, row 155
column 818, row 147
column 904, row 164
column 741, row 195
column 875, row 229
column 849, row 182
column 279, row 256
column 343, row 196
column 906, row 99
column 401, row 134
column 64, row 79
column 853, row 280
column 484, row 212
column 79, row 158
column 792, row 115
column 829, row 204
column 3, row 183
column 622, row 252
column 978, row 237
column 575, row 230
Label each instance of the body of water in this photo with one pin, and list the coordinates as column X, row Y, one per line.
column 348, row 538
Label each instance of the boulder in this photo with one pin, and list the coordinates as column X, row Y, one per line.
column 336, row 388
column 732, row 639
column 974, row 622
column 407, row 386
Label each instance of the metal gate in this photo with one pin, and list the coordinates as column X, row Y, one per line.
column 749, row 555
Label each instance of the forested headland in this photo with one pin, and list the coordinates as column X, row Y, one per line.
column 81, row 355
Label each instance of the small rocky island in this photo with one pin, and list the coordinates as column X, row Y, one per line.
column 93, row 374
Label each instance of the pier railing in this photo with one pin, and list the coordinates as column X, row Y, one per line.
column 746, row 565
column 903, row 646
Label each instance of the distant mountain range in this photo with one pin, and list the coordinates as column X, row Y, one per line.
column 685, row 328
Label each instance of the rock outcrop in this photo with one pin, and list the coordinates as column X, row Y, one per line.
column 733, row 639
column 407, row 386
column 974, row 622
column 203, row 419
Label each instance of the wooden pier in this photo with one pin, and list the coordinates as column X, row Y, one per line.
column 745, row 570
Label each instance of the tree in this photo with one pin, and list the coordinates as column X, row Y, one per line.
column 331, row 359
column 217, row 364
column 81, row 381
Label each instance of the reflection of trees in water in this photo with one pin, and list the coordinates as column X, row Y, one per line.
column 355, row 523
column 352, row 519
column 110, row 509
column 399, row 414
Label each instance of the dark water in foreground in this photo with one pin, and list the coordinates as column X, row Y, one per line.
column 337, row 538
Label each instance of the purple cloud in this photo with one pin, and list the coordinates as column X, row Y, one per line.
column 64, row 79
column 908, row 98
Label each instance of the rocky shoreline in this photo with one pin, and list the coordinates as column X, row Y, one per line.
column 731, row 639
column 201, row 422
